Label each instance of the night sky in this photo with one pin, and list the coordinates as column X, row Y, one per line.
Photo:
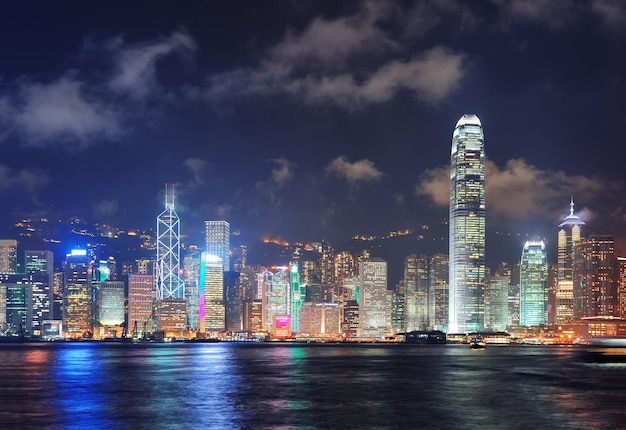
column 306, row 120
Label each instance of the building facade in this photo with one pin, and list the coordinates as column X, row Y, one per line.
column 533, row 288
column 467, row 227
column 217, row 241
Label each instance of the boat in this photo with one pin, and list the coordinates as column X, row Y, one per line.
column 609, row 349
column 477, row 343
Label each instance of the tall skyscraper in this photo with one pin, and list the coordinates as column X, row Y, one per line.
column 438, row 292
column 141, row 295
column 217, row 241
column 533, row 286
column 78, row 295
column 8, row 256
column 467, row 227
column 42, row 262
column 595, row 277
column 496, row 302
column 569, row 234
column 168, row 283
column 212, row 311
column 110, row 305
column 374, row 310
column 416, row 284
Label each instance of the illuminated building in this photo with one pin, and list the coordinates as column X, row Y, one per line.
column 168, row 283
column 467, row 227
column 141, row 297
column 42, row 262
column 533, row 291
column 253, row 316
column 172, row 317
column 25, row 302
column 569, row 234
column 191, row 278
column 344, row 268
column 496, row 302
column 275, row 298
column 8, row 256
column 595, row 277
column 416, row 292
column 111, row 302
column 350, row 321
column 233, row 301
column 621, row 286
column 298, row 295
column 374, row 311
column 438, row 291
column 212, row 312
column 217, row 241
column 320, row 319
column 398, row 314
column 77, row 295
column 327, row 272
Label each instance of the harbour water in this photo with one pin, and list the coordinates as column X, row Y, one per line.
column 305, row 386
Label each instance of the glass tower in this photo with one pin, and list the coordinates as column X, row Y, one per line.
column 569, row 235
column 533, row 291
column 217, row 241
column 169, row 285
column 467, row 227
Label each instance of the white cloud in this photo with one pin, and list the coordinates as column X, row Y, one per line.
column 554, row 14
column 105, row 208
column 61, row 110
column 32, row 180
column 612, row 13
column 359, row 171
column 350, row 62
column 197, row 166
column 517, row 191
column 135, row 65
column 284, row 173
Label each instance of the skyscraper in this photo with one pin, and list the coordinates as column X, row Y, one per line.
column 374, row 312
column 467, row 226
column 168, row 283
column 8, row 256
column 217, row 241
column 141, row 295
column 533, row 284
column 211, row 293
column 77, row 295
column 569, row 234
column 595, row 277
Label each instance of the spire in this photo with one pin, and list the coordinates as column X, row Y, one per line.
column 571, row 219
column 571, row 206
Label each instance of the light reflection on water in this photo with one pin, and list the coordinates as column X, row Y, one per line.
column 97, row 385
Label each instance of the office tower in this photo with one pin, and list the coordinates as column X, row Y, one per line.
column 438, row 288
column 297, row 297
column 275, row 295
column 327, row 272
column 111, row 299
column 144, row 267
column 595, row 277
column 211, row 292
column 168, row 284
column 569, row 234
column 373, row 307
column 77, row 295
column 467, row 226
column 496, row 302
column 233, row 301
column 217, row 241
column 344, row 268
column 191, row 278
column 321, row 319
column 533, row 289
column 621, row 287
column 253, row 316
column 141, row 297
column 42, row 262
column 8, row 256
column 398, row 314
column 552, row 288
column 416, row 292
column 350, row 322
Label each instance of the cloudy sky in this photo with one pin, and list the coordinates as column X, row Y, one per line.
column 307, row 120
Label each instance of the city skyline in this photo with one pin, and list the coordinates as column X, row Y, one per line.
column 318, row 121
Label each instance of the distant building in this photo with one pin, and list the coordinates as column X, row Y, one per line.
column 297, row 295
column 168, row 283
column 275, row 295
column 350, row 321
column 533, row 284
column 233, row 301
column 595, row 277
column 496, row 302
column 8, row 256
column 320, row 319
column 438, row 291
column 25, row 302
column 141, row 301
column 569, row 234
column 467, row 227
column 374, row 310
column 77, row 295
column 217, row 241
column 111, row 300
column 416, row 295
column 212, row 311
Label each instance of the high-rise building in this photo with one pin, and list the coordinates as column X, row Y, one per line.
column 168, row 283
column 621, row 287
column 8, row 256
column 438, row 291
column 111, row 299
column 569, row 234
column 212, row 311
column 595, row 277
column 467, row 226
column 191, row 278
column 42, row 262
column 275, row 296
column 234, row 299
column 374, row 310
column 217, row 241
column 25, row 302
column 533, row 288
column 496, row 302
column 416, row 293
column 141, row 297
column 297, row 296
column 77, row 295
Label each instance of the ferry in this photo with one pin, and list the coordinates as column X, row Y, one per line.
column 477, row 343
